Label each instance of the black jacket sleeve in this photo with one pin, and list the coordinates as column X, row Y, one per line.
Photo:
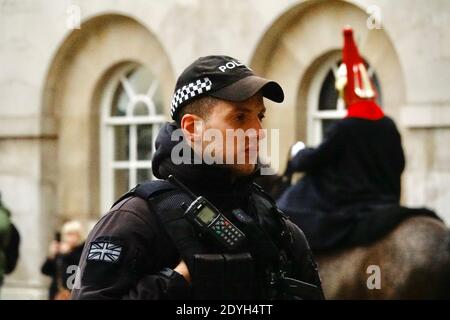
column 49, row 267
column 167, row 284
column 129, row 270
column 313, row 159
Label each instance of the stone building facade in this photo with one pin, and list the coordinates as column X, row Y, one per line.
column 85, row 84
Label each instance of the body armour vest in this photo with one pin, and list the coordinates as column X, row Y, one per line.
column 266, row 266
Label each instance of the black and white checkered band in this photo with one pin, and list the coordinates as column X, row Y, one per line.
column 189, row 91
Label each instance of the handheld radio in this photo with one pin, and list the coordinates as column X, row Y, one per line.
column 209, row 220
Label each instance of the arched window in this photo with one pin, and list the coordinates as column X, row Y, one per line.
column 132, row 116
column 325, row 106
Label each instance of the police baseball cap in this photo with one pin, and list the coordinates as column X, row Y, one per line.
column 221, row 77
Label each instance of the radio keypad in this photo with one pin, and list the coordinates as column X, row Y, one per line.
column 226, row 231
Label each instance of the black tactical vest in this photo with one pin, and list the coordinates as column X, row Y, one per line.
column 255, row 271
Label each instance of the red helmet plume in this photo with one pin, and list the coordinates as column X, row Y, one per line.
column 354, row 83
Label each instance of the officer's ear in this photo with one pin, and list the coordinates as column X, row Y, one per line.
column 192, row 126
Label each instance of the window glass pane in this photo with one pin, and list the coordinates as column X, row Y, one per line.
column 121, row 143
column 144, row 175
column 140, row 80
column 119, row 102
column 328, row 94
column 140, row 109
column 158, row 101
column 120, row 182
column 142, row 95
column 144, row 136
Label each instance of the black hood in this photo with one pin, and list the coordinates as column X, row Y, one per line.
column 163, row 148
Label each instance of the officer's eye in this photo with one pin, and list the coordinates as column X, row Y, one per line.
column 240, row 117
column 261, row 116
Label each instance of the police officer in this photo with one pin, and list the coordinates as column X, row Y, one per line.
column 146, row 248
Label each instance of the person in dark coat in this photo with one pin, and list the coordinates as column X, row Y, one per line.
column 9, row 243
column 357, row 167
column 63, row 253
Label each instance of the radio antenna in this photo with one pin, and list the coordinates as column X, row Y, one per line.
column 178, row 183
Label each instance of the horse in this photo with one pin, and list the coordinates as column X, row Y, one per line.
column 411, row 262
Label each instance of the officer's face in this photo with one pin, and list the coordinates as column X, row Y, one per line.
column 228, row 117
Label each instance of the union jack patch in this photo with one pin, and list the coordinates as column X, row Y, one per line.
column 104, row 250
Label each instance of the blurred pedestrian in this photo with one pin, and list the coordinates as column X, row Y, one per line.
column 9, row 242
column 64, row 251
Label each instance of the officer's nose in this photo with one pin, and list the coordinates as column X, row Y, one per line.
column 261, row 133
